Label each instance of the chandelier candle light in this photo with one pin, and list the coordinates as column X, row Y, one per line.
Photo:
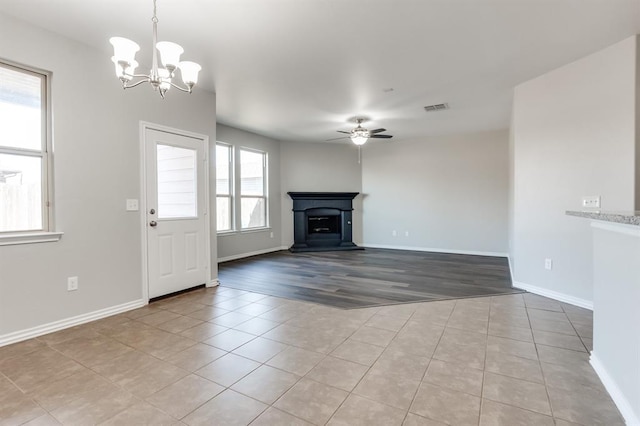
column 160, row 78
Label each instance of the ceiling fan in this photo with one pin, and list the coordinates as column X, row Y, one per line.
column 360, row 135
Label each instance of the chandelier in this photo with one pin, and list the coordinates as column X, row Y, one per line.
column 159, row 77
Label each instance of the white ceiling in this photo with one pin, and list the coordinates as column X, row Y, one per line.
column 298, row 70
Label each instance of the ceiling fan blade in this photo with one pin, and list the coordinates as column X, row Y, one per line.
column 335, row 139
column 372, row 132
column 342, row 131
column 381, row 136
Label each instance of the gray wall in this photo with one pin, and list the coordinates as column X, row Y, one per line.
column 448, row 193
column 574, row 135
column 239, row 243
column 319, row 167
column 510, row 219
column 637, row 107
column 96, row 167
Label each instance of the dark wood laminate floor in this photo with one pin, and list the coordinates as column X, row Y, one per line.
column 373, row 277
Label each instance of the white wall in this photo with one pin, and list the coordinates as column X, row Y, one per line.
column 319, row 167
column 616, row 325
column 448, row 193
column 573, row 136
column 96, row 167
column 231, row 245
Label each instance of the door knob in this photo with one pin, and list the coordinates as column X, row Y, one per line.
column 153, row 223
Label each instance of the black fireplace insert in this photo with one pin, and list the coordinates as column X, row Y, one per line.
column 323, row 224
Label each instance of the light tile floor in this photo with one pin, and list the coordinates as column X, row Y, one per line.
column 230, row 357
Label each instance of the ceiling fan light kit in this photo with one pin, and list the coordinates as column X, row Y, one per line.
column 359, row 136
column 124, row 52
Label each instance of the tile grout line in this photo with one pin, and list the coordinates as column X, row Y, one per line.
column 544, row 378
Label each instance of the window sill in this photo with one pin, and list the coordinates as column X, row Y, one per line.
column 252, row 230
column 243, row 231
column 29, row 238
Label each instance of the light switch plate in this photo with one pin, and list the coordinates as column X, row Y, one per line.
column 72, row 283
column 132, row 205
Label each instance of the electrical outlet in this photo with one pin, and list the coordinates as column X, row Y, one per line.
column 394, row 233
column 406, row 233
column 591, row 201
column 270, row 234
column 72, row 283
column 548, row 264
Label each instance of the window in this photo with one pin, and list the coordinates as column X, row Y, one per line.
column 177, row 182
column 253, row 193
column 241, row 191
column 24, row 195
column 224, row 181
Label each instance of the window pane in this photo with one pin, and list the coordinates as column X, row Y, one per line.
column 254, row 214
column 20, row 193
column 223, row 212
column 20, row 109
column 222, row 170
column 251, row 173
column 176, row 182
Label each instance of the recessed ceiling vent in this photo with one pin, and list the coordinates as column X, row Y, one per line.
column 437, row 107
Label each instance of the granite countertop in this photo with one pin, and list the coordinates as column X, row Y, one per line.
column 627, row 218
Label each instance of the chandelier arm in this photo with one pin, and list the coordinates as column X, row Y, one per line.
column 145, row 79
column 187, row 90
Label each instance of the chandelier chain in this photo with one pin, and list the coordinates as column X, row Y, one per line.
column 155, row 18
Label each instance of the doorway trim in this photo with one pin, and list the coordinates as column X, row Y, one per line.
column 144, row 126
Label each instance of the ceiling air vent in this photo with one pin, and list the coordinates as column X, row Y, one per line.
column 437, row 107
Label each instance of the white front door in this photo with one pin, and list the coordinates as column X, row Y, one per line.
column 176, row 211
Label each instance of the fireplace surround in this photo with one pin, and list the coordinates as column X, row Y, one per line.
column 322, row 221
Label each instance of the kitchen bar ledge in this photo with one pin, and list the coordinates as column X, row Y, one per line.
column 616, row 306
column 627, row 218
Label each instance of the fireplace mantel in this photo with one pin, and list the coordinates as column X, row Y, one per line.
column 323, row 195
column 322, row 221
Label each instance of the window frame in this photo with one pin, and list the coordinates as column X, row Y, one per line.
column 46, row 233
column 231, row 195
column 265, row 188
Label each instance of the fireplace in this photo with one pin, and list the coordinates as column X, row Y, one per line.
column 322, row 221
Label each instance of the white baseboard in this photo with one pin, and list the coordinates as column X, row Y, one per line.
column 626, row 409
column 437, row 250
column 18, row 336
column 213, row 283
column 561, row 297
column 252, row 253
